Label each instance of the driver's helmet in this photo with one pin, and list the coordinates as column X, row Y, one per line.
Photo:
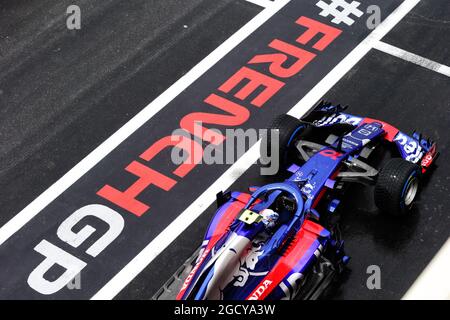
column 270, row 218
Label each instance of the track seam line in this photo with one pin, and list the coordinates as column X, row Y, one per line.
column 413, row 58
column 191, row 213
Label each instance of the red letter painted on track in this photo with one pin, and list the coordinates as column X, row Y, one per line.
column 193, row 148
column 257, row 80
column 278, row 59
column 239, row 115
column 127, row 199
column 315, row 27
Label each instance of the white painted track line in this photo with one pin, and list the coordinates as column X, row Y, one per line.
column 262, row 3
column 165, row 238
column 434, row 282
column 30, row 211
column 413, row 58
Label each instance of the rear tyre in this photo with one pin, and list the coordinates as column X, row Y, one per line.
column 397, row 187
column 290, row 130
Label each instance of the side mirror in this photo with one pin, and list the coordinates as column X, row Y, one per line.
column 222, row 198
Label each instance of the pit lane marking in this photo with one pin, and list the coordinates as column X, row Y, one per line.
column 191, row 213
column 54, row 191
column 434, row 282
column 413, row 58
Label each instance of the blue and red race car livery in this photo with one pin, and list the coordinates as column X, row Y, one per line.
column 281, row 241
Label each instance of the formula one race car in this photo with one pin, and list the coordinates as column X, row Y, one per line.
column 281, row 241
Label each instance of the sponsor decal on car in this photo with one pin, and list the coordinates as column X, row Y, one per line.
column 409, row 147
column 260, row 290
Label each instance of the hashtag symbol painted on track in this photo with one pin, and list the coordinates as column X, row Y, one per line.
column 340, row 10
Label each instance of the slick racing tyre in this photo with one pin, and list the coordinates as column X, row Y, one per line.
column 290, row 130
column 397, row 186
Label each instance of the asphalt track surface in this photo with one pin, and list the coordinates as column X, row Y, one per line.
column 64, row 92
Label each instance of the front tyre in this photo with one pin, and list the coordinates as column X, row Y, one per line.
column 290, row 130
column 397, row 187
